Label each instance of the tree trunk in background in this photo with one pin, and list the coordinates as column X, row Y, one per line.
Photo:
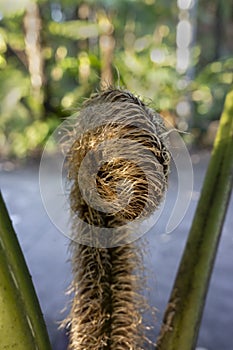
column 107, row 45
column 218, row 30
column 32, row 27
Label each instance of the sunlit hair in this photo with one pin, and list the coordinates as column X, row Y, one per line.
column 108, row 305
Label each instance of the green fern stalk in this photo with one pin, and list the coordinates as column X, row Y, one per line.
column 183, row 315
column 21, row 322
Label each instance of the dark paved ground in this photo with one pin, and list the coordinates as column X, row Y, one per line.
column 45, row 249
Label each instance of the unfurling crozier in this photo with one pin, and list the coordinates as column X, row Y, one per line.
column 118, row 165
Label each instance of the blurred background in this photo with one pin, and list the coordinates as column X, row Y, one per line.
column 176, row 55
column 53, row 54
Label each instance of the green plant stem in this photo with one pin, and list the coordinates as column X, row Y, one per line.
column 184, row 311
column 21, row 321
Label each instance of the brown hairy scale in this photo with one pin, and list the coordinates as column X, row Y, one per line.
column 108, row 305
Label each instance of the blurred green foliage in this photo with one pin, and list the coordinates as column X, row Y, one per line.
column 210, row 86
column 72, row 41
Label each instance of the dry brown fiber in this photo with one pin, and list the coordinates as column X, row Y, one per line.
column 108, row 306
